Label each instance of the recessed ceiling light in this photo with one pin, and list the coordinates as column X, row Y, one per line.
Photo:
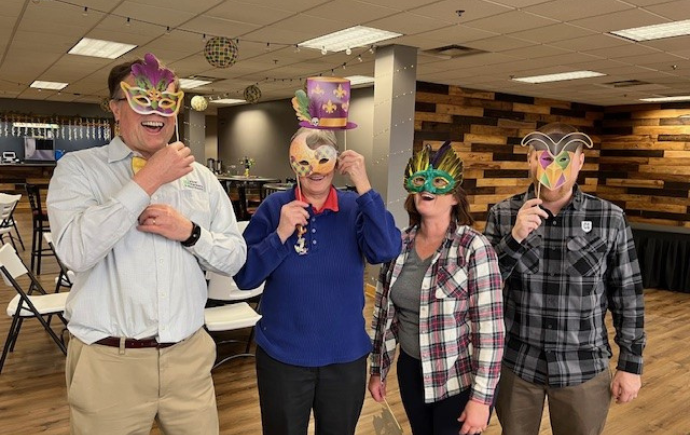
column 227, row 101
column 360, row 80
column 48, row 85
column 656, row 31
column 574, row 75
column 193, row 83
column 100, row 48
column 666, row 99
column 358, row 36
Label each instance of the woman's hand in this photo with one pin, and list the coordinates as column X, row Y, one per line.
column 291, row 214
column 352, row 164
column 475, row 418
column 377, row 388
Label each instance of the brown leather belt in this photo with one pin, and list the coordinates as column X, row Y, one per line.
column 131, row 343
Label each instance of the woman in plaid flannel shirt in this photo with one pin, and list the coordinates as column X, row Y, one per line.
column 441, row 301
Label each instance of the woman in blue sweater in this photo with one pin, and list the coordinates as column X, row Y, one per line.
column 309, row 246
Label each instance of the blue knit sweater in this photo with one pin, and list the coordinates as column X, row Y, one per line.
column 312, row 304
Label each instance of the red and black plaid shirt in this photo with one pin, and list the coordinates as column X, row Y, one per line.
column 461, row 317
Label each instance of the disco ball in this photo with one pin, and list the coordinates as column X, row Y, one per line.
column 221, row 52
column 252, row 93
column 199, row 103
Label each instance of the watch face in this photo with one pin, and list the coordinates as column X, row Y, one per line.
column 194, row 237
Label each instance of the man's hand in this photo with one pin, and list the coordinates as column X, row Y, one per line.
column 625, row 386
column 291, row 215
column 528, row 219
column 164, row 220
column 165, row 165
column 352, row 164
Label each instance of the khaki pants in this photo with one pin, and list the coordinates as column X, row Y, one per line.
column 114, row 393
column 577, row 410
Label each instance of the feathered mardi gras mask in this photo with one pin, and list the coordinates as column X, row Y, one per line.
column 555, row 154
column 150, row 94
column 439, row 176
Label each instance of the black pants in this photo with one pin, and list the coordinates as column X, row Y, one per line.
column 438, row 418
column 289, row 393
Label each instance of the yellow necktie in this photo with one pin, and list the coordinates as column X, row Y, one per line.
column 138, row 163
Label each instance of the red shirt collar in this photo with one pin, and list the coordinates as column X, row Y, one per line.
column 330, row 204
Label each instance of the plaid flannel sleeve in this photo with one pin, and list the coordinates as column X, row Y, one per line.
column 486, row 316
column 498, row 231
column 626, row 301
column 384, row 341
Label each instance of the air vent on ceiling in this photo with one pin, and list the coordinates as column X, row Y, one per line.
column 452, row 51
column 625, row 83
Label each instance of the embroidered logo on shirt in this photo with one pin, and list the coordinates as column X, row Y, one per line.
column 192, row 184
column 586, row 226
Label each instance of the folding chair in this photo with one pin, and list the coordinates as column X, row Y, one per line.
column 65, row 277
column 8, row 203
column 229, row 308
column 27, row 304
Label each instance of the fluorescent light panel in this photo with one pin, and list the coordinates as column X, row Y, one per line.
column 228, row 101
column 547, row 78
column 666, row 99
column 48, row 85
column 360, row 80
column 656, row 31
column 100, row 48
column 358, row 36
column 193, row 83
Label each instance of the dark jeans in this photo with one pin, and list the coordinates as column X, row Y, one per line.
column 438, row 418
column 288, row 394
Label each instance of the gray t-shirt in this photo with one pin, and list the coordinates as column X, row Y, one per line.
column 405, row 295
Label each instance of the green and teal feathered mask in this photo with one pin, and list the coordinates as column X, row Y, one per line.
column 438, row 175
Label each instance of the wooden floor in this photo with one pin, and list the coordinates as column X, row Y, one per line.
column 33, row 398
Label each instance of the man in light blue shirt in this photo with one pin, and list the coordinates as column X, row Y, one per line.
column 139, row 222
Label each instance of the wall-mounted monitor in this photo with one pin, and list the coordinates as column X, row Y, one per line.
column 39, row 149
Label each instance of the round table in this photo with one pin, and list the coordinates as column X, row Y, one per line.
column 242, row 183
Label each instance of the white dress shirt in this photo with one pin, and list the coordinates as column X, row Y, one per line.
column 130, row 283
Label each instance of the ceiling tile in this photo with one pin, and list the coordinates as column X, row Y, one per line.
column 598, row 41
column 511, row 22
column 675, row 10
column 620, row 20
column 473, row 10
column 409, row 24
column 553, row 33
column 568, row 10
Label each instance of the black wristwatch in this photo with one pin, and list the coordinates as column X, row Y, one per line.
column 191, row 241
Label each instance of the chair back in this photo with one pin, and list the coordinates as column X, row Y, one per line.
column 11, row 265
column 33, row 192
column 10, row 202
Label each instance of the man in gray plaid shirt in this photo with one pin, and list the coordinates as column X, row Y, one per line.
column 566, row 257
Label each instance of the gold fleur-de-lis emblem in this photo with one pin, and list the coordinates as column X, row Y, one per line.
column 339, row 91
column 329, row 107
column 317, row 90
column 345, row 106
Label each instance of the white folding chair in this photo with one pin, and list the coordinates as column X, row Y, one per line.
column 8, row 204
column 65, row 277
column 34, row 302
column 229, row 309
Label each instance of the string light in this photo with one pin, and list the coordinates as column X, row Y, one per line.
column 296, row 48
column 86, row 11
column 348, row 51
column 359, row 57
column 324, row 51
column 128, row 22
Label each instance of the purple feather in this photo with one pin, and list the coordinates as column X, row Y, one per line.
column 439, row 154
column 150, row 70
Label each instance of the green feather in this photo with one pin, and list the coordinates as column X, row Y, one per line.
column 301, row 105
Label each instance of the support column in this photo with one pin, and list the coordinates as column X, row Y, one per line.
column 394, row 105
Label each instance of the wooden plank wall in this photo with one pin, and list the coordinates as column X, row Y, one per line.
column 645, row 162
column 486, row 129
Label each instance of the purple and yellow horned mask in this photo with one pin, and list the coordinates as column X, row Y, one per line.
column 555, row 154
column 150, row 95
